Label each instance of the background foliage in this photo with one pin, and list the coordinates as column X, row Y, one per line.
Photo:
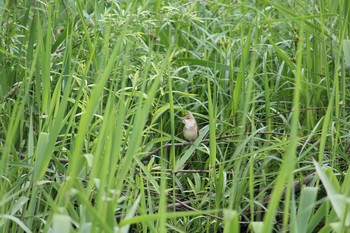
column 91, row 99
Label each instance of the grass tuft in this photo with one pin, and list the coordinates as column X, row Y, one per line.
column 91, row 99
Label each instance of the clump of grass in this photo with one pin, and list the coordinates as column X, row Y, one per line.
column 92, row 94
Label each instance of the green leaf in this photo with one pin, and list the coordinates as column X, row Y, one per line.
column 306, row 205
column 337, row 199
column 231, row 221
column 207, row 64
column 129, row 215
column 346, row 50
column 256, row 227
column 61, row 223
column 17, row 221
column 42, row 159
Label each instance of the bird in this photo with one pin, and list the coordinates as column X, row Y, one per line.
column 190, row 130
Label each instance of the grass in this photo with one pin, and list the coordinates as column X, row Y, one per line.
column 91, row 99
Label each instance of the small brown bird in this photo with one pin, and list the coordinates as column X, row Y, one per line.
column 190, row 130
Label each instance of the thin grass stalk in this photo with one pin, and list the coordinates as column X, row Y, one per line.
column 172, row 156
column 289, row 159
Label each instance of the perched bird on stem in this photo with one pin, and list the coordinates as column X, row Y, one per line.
column 190, row 130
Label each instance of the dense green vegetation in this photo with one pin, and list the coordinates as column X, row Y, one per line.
column 92, row 93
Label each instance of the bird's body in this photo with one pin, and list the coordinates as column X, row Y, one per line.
column 190, row 130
